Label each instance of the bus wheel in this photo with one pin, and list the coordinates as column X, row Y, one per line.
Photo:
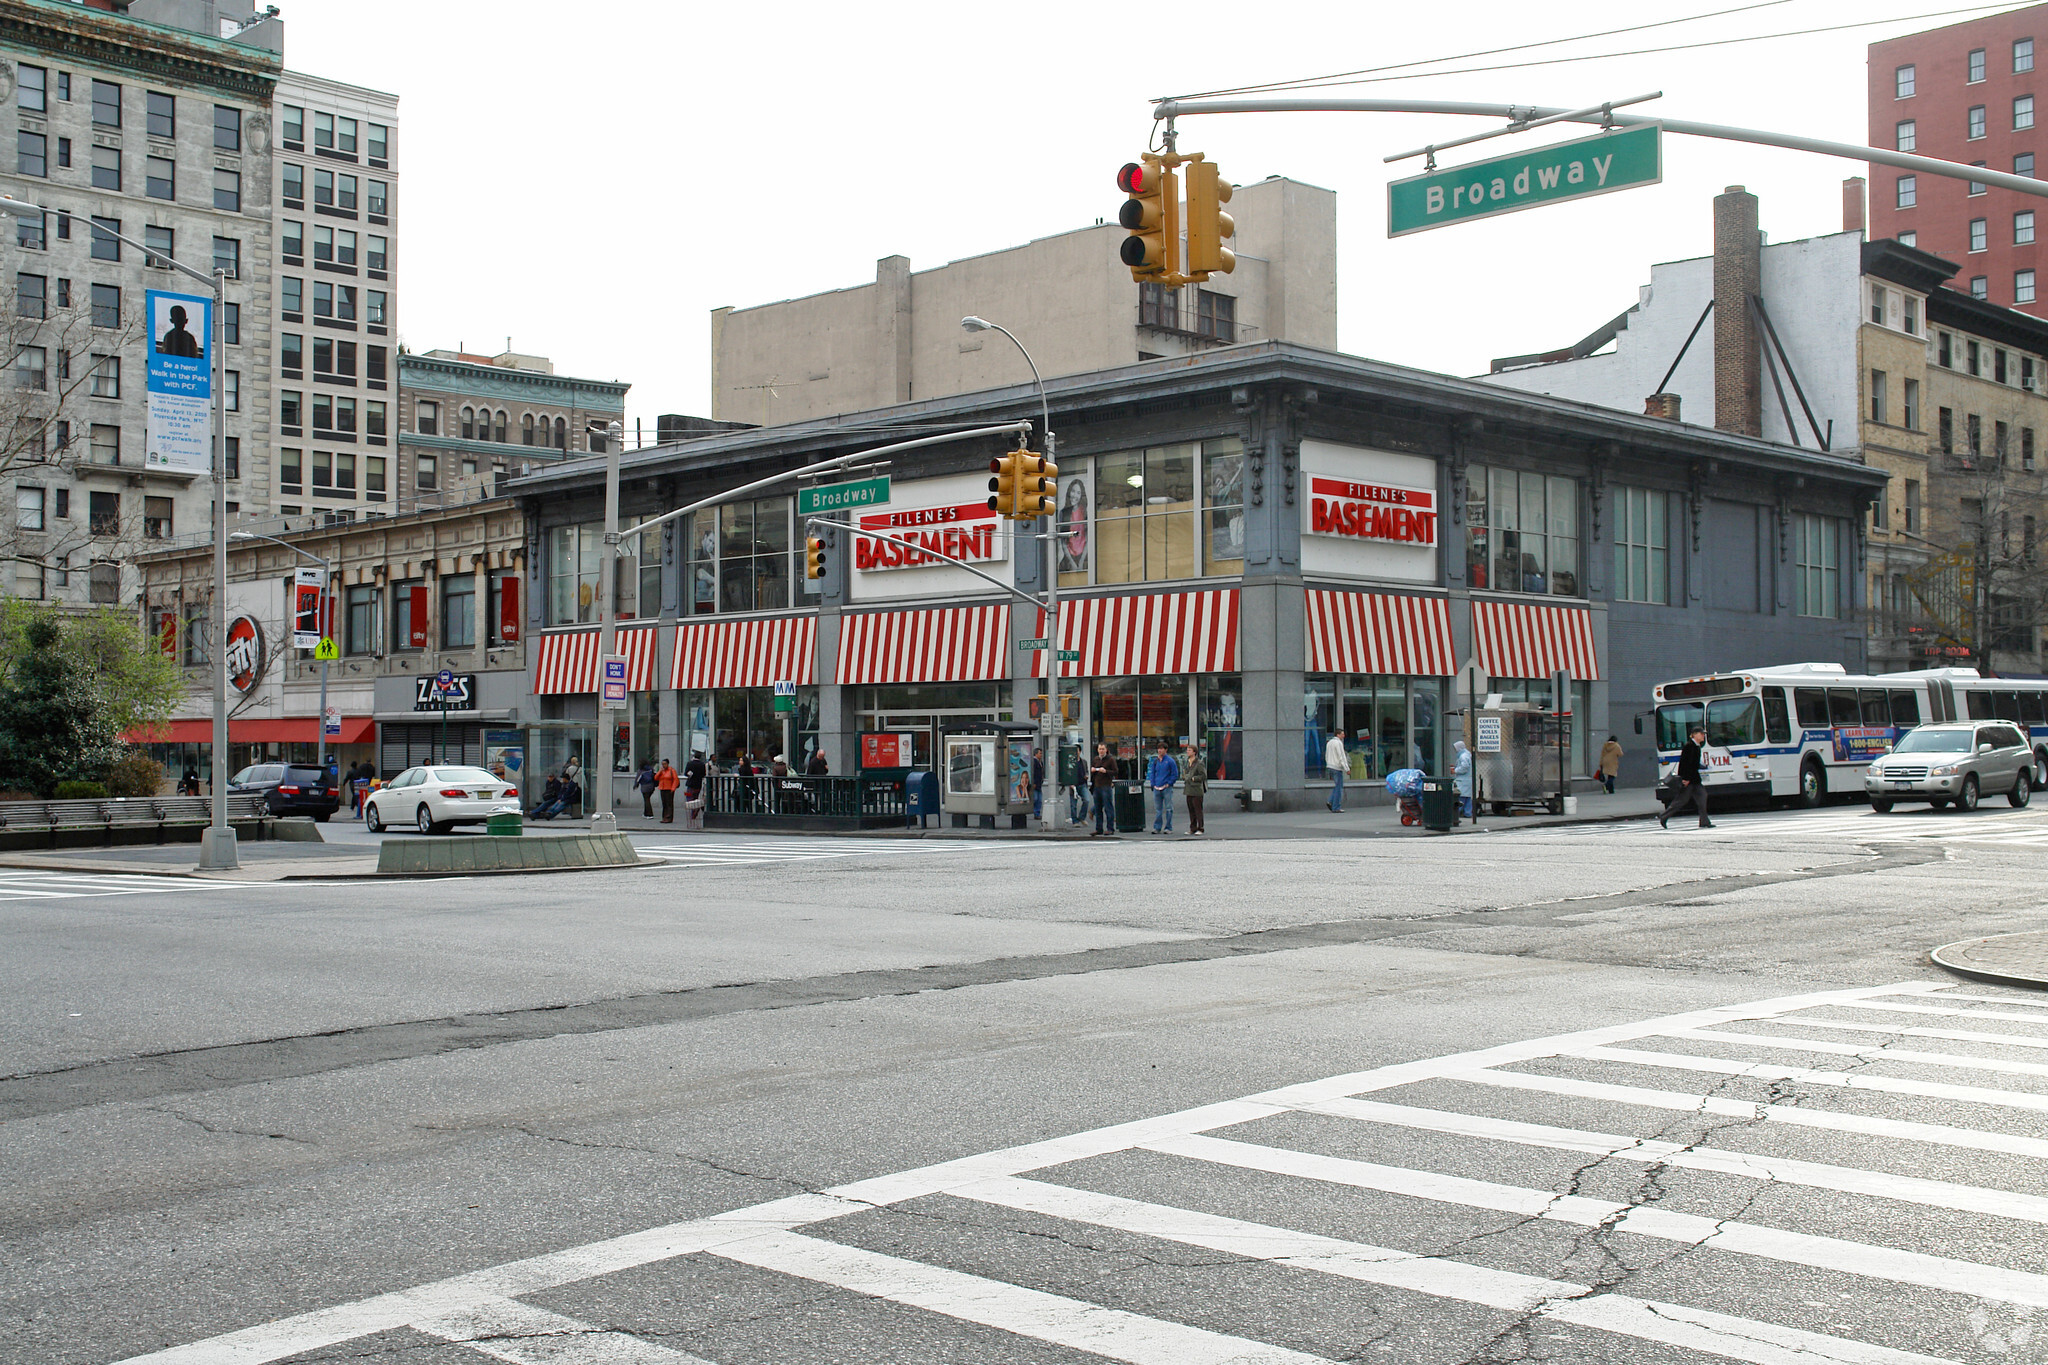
column 1813, row 786
column 2040, row 769
column 1881, row 806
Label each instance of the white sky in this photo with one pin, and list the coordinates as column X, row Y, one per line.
column 592, row 180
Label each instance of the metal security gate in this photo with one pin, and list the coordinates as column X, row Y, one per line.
column 403, row 745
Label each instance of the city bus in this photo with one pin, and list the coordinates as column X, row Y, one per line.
column 1804, row 731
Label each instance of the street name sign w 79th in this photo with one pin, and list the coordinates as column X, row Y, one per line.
column 1578, row 169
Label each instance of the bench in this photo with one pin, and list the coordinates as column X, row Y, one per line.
column 121, row 819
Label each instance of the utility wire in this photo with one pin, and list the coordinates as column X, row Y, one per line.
column 1486, row 52
column 1363, row 79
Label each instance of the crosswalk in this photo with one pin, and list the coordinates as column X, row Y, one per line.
column 727, row 851
column 1988, row 826
column 17, row 884
column 1847, row 1176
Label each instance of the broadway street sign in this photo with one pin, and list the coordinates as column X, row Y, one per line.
column 1580, row 169
column 838, row 497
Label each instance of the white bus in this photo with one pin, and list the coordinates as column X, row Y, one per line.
column 1807, row 730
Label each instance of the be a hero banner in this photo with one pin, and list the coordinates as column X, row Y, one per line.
column 180, row 371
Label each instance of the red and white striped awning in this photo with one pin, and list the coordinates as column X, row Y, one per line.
column 566, row 660
column 944, row 644
column 1165, row 632
column 1366, row 632
column 747, row 653
column 1524, row 640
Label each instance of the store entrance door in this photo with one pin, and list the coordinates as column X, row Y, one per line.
column 928, row 729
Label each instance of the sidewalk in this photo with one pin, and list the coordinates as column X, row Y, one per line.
column 1225, row 820
column 2010, row 959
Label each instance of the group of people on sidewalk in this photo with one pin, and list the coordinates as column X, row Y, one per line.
column 1094, row 788
column 666, row 779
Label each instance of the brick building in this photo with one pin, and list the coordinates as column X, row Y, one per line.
column 1966, row 93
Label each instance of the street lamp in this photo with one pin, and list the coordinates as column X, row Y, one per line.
column 326, row 582
column 607, row 611
column 217, row 844
column 1049, row 818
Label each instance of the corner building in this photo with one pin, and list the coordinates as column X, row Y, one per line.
column 1258, row 546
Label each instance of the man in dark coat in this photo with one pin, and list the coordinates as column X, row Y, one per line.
column 1692, row 786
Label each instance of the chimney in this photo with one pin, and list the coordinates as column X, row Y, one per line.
column 1664, row 405
column 1738, row 358
column 1852, row 204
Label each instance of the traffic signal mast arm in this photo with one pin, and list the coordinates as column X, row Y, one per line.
column 1171, row 109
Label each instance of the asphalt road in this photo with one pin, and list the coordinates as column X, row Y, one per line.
column 1594, row 1093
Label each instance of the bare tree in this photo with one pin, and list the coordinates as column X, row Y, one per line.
column 1983, row 591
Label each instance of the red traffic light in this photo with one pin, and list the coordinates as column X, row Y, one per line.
column 1131, row 179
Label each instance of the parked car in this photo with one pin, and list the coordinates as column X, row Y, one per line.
column 1960, row 762
column 435, row 799
column 289, row 789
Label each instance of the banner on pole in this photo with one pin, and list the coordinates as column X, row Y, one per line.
column 309, row 586
column 180, row 373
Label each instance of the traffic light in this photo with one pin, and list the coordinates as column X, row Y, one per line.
column 1152, row 216
column 1006, row 488
column 814, row 557
column 1038, row 493
column 1208, row 224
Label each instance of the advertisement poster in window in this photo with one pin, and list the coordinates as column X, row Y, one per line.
column 180, row 430
column 1073, row 524
column 1226, row 501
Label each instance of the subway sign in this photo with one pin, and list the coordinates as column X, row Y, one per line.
column 1579, row 169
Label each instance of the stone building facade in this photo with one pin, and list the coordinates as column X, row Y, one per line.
column 467, row 423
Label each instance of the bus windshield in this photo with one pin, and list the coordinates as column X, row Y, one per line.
column 1730, row 721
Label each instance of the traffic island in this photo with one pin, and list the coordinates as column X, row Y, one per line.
column 2009, row 959
column 450, row 857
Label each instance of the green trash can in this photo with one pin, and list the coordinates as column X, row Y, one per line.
column 1439, row 803
column 505, row 822
column 1130, row 808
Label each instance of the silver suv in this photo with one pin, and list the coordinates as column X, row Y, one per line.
column 1961, row 762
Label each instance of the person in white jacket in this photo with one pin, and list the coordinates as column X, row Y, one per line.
column 1339, row 763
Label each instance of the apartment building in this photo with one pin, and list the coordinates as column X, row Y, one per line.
column 1966, row 93
column 468, row 422
column 1068, row 297
column 158, row 133
column 335, row 305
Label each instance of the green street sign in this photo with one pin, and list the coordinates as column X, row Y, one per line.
column 1034, row 644
column 1070, row 656
column 838, row 497
column 1578, row 169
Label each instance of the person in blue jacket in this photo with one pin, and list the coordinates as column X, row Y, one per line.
column 1161, row 777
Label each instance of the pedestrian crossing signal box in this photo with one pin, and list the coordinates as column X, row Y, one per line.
column 1070, row 706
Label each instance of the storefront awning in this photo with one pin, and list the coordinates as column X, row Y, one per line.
column 945, row 644
column 286, row 730
column 747, row 653
column 1366, row 632
column 566, row 660
column 1163, row 632
column 1524, row 640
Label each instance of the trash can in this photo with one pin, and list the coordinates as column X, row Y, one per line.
column 505, row 822
column 1130, row 808
column 1439, row 803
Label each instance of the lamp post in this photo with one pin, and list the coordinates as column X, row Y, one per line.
column 217, row 844
column 607, row 608
column 1049, row 817
column 326, row 582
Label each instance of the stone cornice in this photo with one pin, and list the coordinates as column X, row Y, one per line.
column 417, row 374
column 156, row 51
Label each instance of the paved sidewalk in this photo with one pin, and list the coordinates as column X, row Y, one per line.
column 2012, row 959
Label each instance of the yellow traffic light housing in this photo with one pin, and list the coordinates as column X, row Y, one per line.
column 1004, row 490
column 814, row 557
column 1038, row 492
column 1208, row 224
column 1152, row 216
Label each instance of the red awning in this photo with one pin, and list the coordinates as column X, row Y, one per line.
column 296, row 730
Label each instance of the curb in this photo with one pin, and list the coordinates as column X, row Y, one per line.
column 444, row 875
column 1953, row 957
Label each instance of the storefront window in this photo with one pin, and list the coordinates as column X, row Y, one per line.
column 739, row 558
column 1145, row 515
column 1221, row 712
column 1521, row 532
column 1132, row 715
column 647, row 731
column 1387, row 723
column 573, row 558
column 746, row 723
column 1223, row 507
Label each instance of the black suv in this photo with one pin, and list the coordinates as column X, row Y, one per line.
column 290, row 789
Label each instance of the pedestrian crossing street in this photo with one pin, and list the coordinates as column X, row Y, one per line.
column 1991, row 826
column 1845, row 1176
column 728, row 851
column 19, row 884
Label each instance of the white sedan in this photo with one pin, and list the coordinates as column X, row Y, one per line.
column 432, row 800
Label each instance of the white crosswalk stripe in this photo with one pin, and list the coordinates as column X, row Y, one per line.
column 714, row 851
column 1993, row 826
column 1854, row 1098
column 26, row 884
